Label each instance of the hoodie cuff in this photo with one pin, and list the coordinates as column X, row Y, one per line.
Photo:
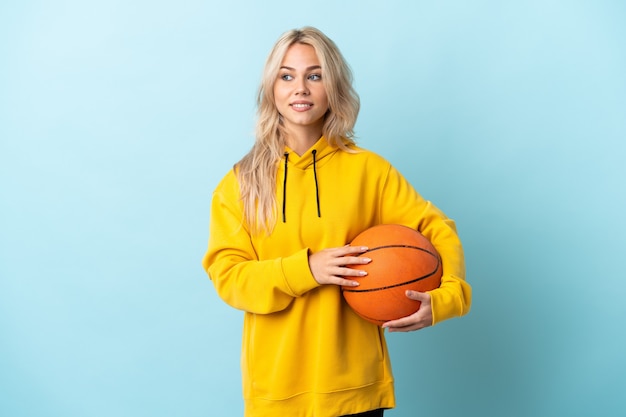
column 452, row 299
column 297, row 274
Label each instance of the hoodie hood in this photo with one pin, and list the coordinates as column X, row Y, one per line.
column 315, row 155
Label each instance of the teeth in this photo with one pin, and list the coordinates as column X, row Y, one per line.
column 301, row 106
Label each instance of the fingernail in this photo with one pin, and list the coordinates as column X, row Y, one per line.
column 355, row 284
column 362, row 273
column 366, row 260
column 364, row 248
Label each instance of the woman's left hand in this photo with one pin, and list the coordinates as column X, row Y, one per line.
column 416, row 321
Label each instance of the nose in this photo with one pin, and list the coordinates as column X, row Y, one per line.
column 301, row 88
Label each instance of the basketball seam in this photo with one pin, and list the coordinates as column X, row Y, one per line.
column 399, row 246
column 402, row 283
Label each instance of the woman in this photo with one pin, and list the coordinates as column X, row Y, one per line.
column 280, row 221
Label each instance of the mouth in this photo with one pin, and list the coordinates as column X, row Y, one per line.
column 301, row 106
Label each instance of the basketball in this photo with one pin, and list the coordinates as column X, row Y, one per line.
column 402, row 259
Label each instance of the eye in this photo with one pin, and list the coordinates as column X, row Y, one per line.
column 286, row 77
column 315, row 77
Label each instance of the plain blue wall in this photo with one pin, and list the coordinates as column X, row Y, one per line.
column 117, row 119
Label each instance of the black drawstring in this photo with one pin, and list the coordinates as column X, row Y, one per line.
column 285, row 188
column 317, row 192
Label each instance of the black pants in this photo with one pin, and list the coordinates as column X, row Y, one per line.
column 373, row 413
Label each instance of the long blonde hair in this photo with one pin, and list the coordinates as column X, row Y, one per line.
column 256, row 171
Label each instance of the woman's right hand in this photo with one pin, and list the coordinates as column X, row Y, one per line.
column 330, row 266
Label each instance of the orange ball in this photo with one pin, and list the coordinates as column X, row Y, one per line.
column 402, row 259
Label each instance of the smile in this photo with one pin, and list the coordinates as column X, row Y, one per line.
column 301, row 106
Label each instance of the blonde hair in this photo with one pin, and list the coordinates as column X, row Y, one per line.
column 256, row 171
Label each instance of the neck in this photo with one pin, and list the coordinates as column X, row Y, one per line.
column 300, row 142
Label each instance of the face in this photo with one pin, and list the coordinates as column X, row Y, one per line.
column 299, row 93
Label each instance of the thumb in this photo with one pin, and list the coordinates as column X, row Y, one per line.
column 418, row 296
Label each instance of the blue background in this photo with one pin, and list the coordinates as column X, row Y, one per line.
column 118, row 118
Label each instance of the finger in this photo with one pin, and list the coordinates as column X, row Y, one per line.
column 415, row 321
column 405, row 329
column 350, row 272
column 399, row 323
column 418, row 296
column 353, row 260
column 405, row 324
column 352, row 250
column 345, row 282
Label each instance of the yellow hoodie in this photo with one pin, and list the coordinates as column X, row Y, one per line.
column 305, row 353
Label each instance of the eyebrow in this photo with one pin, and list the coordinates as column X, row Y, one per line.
column 313, row 67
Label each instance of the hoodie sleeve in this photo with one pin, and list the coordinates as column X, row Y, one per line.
column 401, row 204
column 240, row 278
